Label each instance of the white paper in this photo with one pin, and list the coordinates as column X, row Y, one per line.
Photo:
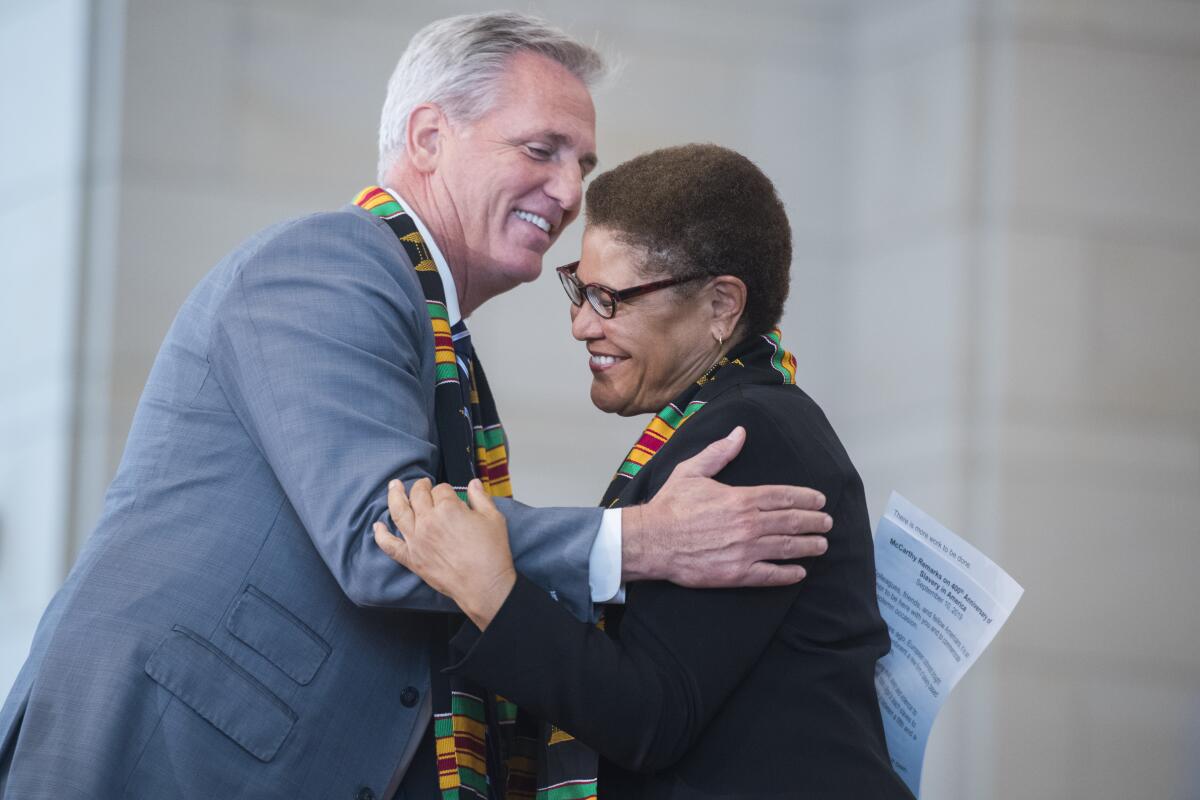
column 943, row 602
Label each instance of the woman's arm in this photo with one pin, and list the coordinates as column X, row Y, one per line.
column 641, row 700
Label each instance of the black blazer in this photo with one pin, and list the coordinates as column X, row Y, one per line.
column 746, row 693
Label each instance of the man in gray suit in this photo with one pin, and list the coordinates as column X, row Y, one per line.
column 230, row 628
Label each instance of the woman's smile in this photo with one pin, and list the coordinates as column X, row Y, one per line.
column 599, row 362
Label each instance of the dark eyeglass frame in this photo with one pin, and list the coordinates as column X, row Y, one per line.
column 596, row 292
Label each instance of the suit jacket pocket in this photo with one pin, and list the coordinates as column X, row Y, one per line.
column 231, row 699
column 277, row 635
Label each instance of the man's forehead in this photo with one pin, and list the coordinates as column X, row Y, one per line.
column 538, row 85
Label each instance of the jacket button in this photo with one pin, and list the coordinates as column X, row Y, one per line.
column 365, row 793
column 408, row 698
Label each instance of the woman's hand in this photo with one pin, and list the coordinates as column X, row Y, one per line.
column 461, row 551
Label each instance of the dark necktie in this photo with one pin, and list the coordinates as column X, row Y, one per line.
column 464, row 353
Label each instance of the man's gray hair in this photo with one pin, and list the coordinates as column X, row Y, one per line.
column 456, row 63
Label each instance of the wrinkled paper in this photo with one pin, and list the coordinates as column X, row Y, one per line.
column 943, row 602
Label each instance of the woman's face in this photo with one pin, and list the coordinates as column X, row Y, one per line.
column 654, row 346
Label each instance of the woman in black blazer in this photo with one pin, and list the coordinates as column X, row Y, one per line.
column 685, row 693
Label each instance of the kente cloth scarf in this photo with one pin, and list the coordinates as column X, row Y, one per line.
column 759, row 360
column 472, row 445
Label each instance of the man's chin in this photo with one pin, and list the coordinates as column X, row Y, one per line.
column 523, row 265
column 528, row 271
column 508, row 273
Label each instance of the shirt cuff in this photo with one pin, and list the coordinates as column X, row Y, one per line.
column 604, row 563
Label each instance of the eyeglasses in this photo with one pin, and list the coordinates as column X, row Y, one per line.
column 603, row 299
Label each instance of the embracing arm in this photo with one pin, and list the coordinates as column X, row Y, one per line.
column 641, row 700
column 324, row 351
column 704, row 533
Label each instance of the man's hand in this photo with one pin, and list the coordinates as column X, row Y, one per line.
column 700, row 533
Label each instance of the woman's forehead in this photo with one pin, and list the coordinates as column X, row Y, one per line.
column 608, row 260
column 611, row 272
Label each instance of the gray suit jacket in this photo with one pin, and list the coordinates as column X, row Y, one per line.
column 231, row 629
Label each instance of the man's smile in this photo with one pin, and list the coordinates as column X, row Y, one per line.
column 534, row 219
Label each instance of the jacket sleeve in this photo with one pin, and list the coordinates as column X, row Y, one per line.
column 323, row 349
column 642, row 700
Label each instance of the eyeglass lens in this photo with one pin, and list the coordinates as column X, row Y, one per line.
column 602, row 301
column 571, row 285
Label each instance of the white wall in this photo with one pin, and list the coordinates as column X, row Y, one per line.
column 1101, row 423
column 43, row 53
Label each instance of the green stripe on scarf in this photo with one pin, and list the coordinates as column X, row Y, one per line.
column 572, row 791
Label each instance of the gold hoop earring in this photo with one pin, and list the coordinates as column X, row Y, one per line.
column 720, row 340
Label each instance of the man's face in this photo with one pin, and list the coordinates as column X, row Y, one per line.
column 515, row 176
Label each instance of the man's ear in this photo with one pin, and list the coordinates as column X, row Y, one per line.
column 427, row 127
column 728, row 302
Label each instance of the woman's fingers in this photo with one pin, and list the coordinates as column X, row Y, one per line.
column 444, row 493
column 420, row 496
column 480, row 500
column 394, row 546
column 399, row 508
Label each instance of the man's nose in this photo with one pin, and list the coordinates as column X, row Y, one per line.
column 566, row 187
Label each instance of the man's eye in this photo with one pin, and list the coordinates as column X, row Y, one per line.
column 540, row 152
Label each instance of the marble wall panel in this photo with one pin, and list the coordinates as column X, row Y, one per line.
column 910, row 129
column 1040, row 715
column 1138, row 738
column 1104, row 137
column 906, row 328
column 1105, row 554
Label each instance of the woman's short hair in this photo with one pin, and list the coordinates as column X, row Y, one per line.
column 456, row 62
column 701, row 209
